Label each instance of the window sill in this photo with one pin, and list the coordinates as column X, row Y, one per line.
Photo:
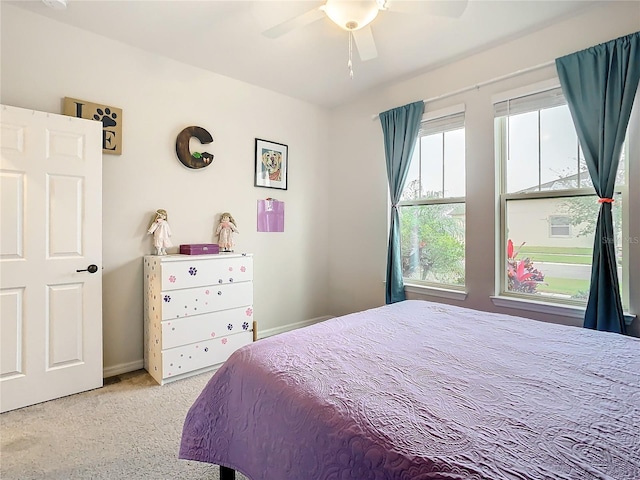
column 571, row 311
column 449, row 293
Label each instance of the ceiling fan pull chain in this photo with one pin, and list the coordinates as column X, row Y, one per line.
column 350, row 63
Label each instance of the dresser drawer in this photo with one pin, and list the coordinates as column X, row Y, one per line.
column 196, row 301
column 214, row 270
column 181, row 331
column 180, row 360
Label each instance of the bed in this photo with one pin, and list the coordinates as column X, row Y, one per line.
column 419, row 390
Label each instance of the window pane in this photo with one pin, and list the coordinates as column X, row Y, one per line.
column 431, row 161
column 585, row 176
column 454, row 174
column 558, row 149
column 621, row 176
column 522, row 152
column 412, row 183
column 432, row 242
column 550, row 238
column 552, row 242
column 559, row 226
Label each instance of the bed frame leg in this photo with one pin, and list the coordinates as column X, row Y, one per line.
column 227, row 473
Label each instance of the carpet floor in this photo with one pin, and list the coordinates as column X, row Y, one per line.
column 128, row 429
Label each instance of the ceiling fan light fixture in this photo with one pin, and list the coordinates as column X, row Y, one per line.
column 352, row 15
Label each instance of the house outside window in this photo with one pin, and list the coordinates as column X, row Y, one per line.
column 548, row 206
column 432, row 206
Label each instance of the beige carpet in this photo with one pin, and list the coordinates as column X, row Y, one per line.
column 129, row 429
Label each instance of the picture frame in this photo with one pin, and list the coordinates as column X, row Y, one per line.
column 271, row 164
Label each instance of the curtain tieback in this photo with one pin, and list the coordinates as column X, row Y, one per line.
column 606, row 200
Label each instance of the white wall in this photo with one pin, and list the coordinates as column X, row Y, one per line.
column 359, row 195
column 44, row 61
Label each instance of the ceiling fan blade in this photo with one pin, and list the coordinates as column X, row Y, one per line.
column 441, row 8
column 365, row 43
column 295, row 22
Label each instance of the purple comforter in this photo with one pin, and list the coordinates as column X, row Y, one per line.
column 419, row 390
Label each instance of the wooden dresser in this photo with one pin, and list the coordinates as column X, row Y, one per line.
column 198, row 309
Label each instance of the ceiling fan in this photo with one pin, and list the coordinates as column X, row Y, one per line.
column 355, row 16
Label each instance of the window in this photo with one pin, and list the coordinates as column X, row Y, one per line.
column 432, row 206
column 559, row 226
column 548, row 206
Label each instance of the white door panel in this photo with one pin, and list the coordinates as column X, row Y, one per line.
column 12, row 228
column 51, row 217
column 11, row 301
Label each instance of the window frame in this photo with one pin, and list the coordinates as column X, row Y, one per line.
column 445, row 290
column 566, row 225
column 505, row 297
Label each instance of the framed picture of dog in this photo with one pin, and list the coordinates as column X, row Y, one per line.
column 272, row 164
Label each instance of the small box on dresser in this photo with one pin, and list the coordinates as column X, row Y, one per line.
column 200, row 249
column 198, row 310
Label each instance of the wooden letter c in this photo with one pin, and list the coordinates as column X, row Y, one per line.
column 195, row 160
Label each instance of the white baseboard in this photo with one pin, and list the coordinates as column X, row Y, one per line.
column 292, row 326
column 122, row 368
column 139, row 364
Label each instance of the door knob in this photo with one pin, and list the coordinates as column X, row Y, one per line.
column 91, row 269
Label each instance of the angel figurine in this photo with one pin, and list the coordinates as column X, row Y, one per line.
column 161, row 232
column 225, row 231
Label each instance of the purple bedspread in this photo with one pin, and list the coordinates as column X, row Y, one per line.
column 419, row 390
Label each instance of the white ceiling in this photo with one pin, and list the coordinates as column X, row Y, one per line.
column 309, row 63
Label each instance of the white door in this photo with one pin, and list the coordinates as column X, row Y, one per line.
column 51, row 232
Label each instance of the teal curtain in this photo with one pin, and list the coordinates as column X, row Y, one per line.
column 400, row 129
column 600, row 85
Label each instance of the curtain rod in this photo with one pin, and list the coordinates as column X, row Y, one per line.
column 485, row 83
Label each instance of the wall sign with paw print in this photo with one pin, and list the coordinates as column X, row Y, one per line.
column 110, row 117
